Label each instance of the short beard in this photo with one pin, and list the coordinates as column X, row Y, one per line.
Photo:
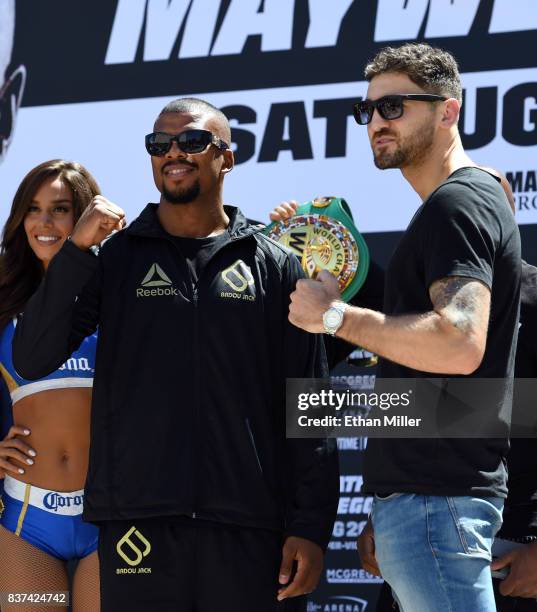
column 184, row 196
column 410, row 153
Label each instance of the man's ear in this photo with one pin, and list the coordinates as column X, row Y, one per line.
column 229, row 161
column 10, row 101
column 451, row 112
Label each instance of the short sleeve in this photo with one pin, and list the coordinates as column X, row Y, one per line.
column 461, row 235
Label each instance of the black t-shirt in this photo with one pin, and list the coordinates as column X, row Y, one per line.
column 464, row 228
column 520, row 512
column 198, row 251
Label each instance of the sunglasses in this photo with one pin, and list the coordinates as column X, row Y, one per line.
column 389, row 107
column 158, row 144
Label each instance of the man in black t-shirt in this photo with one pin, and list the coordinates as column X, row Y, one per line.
column 517, row 592
column 450, row 309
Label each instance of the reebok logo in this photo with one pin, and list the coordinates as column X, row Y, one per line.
column 156, row 277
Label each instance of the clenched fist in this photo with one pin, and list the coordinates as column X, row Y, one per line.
column 98, row 221
column 311, row 299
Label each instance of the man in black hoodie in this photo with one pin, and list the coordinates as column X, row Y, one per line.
column 191, row 478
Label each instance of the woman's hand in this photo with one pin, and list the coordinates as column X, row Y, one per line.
column 14, row 453
column 284, row 211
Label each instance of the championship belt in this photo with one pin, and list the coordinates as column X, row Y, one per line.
column 323, row 235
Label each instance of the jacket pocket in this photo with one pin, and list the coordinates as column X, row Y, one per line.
column 254, row 447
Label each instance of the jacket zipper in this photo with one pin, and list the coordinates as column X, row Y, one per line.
column 195, row 407
column 197, row 362
column 195, row 464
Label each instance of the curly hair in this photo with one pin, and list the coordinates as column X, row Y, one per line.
column 432, row 69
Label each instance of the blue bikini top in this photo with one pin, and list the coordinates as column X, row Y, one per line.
column 77, row 371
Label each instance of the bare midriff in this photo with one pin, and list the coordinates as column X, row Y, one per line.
column 59, row 422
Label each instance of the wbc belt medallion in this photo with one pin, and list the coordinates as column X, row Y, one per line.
column 323, row 235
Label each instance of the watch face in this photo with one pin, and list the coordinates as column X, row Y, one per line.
column 333, row 317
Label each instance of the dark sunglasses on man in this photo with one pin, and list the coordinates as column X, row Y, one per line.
column 388, row 107
column 158, row 144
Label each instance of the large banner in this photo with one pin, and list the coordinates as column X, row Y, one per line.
column 285, row 71
column 85, row 80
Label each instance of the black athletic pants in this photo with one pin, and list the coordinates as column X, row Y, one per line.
column 190, row 566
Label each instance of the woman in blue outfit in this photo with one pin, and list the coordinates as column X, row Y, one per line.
column 44, row 457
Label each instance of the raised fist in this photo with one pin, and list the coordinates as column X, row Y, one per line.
column 98, row 221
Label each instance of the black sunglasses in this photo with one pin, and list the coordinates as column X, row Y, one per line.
column 191, row 141
column 389, row 107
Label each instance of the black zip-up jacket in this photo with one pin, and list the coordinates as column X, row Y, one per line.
column 188, row 412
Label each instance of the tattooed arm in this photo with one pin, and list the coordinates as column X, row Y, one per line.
column 463, row 304
column 449, row 339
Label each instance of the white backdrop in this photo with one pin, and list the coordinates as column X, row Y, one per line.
column 107, row 137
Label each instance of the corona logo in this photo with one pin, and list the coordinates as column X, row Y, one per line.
column 125, row 547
